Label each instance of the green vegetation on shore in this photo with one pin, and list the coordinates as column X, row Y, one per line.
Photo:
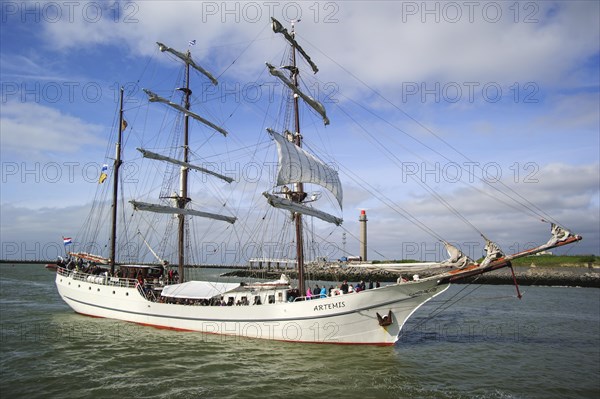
column 537, row 260
column 557, row 260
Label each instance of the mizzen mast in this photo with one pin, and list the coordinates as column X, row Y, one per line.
column 115, row 194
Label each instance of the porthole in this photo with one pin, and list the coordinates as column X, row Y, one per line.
column 90, row 288
column 61, row 280
column 113, row 293
column 98, row 289
column 78, row 285
column 69, row 283
column 127, row 294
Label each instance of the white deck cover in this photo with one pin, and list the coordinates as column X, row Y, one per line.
column 197, row 289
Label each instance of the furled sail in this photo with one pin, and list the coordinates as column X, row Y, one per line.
column 493, row 252
column 283, row 203
column 153, row 155
column 153, row 97
column 457, row 258
column 317, row 106
column 144, row 206
column 197, row 289
column 90, row 257
column 187, row 59
column 298, row 166
column 278, row 28
column 558, row 234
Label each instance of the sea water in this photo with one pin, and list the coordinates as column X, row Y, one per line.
column 472, row 341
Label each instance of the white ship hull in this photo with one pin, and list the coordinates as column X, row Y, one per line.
column 341, row 319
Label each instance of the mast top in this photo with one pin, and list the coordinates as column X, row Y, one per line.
column 278, row 28
column 293, row 23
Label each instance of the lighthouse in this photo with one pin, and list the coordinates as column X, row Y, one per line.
column 363, row 235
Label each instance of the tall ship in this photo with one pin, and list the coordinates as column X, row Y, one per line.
column 286, row 309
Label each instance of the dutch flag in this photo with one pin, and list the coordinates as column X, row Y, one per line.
column 67, row 240
column 192, row 42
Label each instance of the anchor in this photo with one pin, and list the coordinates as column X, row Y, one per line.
column 385, row 320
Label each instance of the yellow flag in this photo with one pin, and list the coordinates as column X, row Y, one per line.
column 103, row 177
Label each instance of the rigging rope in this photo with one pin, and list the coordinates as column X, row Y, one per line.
column 447, row 304
column 526, row 204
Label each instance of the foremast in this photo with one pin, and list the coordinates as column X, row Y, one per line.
column 299, row 187
column 293, row 159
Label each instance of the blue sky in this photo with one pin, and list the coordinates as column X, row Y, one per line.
column 416, row 92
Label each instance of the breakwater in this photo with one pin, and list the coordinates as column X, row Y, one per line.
column 572, row 276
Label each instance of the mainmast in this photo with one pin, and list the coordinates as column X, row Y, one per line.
column 117, row 164
column 183, row 199
column 299, row 187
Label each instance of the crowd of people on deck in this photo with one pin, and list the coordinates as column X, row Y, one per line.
column 172, row 277
column 342, row 289
column 79, row 265
column 215, row 301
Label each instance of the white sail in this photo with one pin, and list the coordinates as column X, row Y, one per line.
column 278, row 28
column 153, row 155
column 153, row 97
column 283, row 203
column 187, row 59
column 492, row 251
column 298, row 166
column 457, row 258
column 90, row 257
column 317, row 106
column 144, row 206
column 558, row 234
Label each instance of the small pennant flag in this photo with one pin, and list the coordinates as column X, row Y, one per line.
column 103, row 174
column 192, row 42
column 67, row 240
column 124, row 125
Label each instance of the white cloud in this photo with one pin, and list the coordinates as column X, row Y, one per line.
column 30, row 129
column 571, row 112
column 567, row 193
column 381, row 42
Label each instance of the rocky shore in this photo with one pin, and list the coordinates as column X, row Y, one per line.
column 572, row 276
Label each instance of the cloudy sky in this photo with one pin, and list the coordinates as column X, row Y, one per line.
column 469, row 117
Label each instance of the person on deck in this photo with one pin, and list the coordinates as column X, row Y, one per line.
column 344, row 287
column 323, row 292
column 316, row 291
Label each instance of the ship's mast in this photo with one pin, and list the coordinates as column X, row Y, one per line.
column 117, row 164
column 183, row 199
column 299, row 189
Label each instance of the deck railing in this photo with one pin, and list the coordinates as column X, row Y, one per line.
column 102, row 279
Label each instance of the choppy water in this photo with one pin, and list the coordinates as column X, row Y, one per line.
column 487, row 344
